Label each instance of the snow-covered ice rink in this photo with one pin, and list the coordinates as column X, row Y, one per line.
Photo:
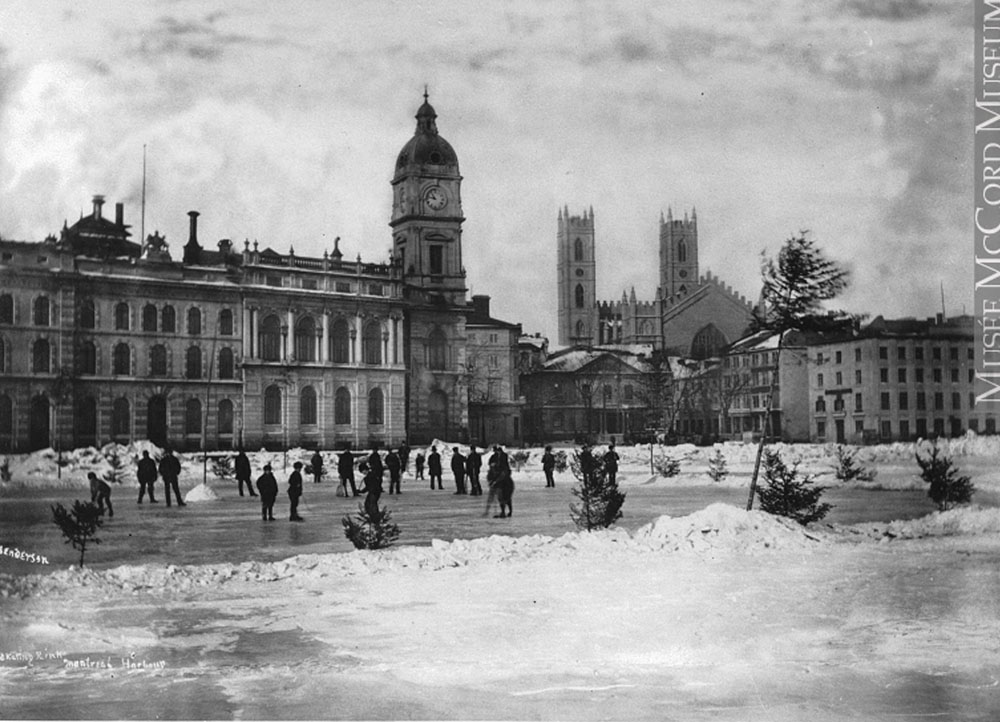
column 690, row 609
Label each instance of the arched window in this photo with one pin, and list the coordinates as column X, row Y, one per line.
column 41, row 311
column 307, row 406
column 371, row 343
column 168, row 320
column 86, row 362
column 6, row 308
column 6, row 416
column 226, row 417
column 121, row 317
column 149, row 315
column 121, row 360
column 158, row 360
column 121, row 418
column 40, row 357
column 708, row 342
column 578, row 295
column 192, row 417
column 305, row 339
column 192, row 365
column 342, row 406
column 88, row 314
column 682, row 251
column 194, row 321
column 225, row 322
column 227, row 367
column 272, row 405
column 340, row 342
column 270, row 339
column 579, row 329
column 577, row 250
column 376, row 406
column 437, row 350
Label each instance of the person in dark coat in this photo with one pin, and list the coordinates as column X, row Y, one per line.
column 548, row 466
column 146, row 474
column 373, row 485
column 418, row 463
column 267, row 486
column 170, row 470
column 611, row 462
column 501, row 484
column 345, row 468
column 375, row 463
column 395, row 466
column 473, row 464
column 404, row 457
column 587, row 463
column 434, row 467
column 295, row 491
column 100, row 493
column 458, row 469
column 243, row 472
column 316, row 462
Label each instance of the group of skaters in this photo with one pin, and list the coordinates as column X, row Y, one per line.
column 148, row 471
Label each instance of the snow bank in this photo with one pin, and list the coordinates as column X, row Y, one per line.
column 202, row 492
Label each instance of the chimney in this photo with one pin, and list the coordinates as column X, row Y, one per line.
column 192, row 251
column 193, row 235
column 481, row 305
column 120, row 214
column 98, row 202
column 225, row 246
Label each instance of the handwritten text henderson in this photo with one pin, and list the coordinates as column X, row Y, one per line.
column 987, row 213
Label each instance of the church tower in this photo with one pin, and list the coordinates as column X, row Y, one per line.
column 678, row 254
column 577, row 278
column 427, row 243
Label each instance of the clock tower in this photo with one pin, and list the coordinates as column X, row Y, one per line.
column 427, row 242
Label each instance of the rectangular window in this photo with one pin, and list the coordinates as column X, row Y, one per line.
column 953, row 353
column 437, row 260
column 883, row 353
column 859, row 427
column 839, row 357
column 936, row 353
column 901, row 375
column 857, row 376
column 937, row 376
column 840, row 379
column 342, row 287
column 904, row 401
column 886, row 429
column 938, row 401
column 819, row 358
column 821, row 429
column 819, row 380
column 920, row 375
column 857, row 354
column 921, row 401
column 921, row 427
column 858, row 406
column 884, row 400
column 901, row 353
column 918, row 353
column 904, row 429
column 272, row 280
column 954, row 375
column 956, row 401
column 883, row 375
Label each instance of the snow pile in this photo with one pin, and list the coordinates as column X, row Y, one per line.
column 42, row 468
column 968, row 520
column 202, row 492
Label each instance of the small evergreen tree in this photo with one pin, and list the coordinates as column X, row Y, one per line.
column 667, row 466
column 222, row 467
column 717, row 466
column 371, row 529
column 519, row 458
column 79, row 525
column 116, row 466
column 562, row 463
column 947, row 488
column 787, row 494
column 847, row 467
column 600, row 499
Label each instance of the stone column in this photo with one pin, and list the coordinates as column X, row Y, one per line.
column 324, row 341
column 246, row 332
column 357, row 345
column 255, row 342
column 290, row 337
column 391, row 356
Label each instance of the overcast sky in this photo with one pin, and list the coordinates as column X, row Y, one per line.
column 281, row 121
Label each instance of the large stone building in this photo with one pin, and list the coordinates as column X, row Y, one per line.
column 694, row 315
column 105, row 339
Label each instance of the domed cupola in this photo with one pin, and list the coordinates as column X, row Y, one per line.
column 427, row 151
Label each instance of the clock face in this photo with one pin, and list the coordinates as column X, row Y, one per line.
column 435, row 198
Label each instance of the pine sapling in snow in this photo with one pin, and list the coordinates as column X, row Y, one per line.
column 562, row 463
column 947, row 488
column 717, row 466
column 222, row 467
column 786, row 493
column 601, row 501
column 519, row 458
column 667, row 466
column 79, row 525
column 848, row 468
column 117, row 471
column 372, row 528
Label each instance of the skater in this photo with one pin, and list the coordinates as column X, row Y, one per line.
column 147, row 477
column 548, row 466
column 395, row 466
column 501, row 484
column 611, row 462
column 587, row 463
column 375, row 463
column 458, row 469
column 267, row 486
column 345, row 468
column 316, row 462
column 404, row 457
column 434, row 467
column 295, row 491
column 170, row 469
column 373, row 485
column 418, row 463
column 473, row 464
column 100, row 493
column 242, row 465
